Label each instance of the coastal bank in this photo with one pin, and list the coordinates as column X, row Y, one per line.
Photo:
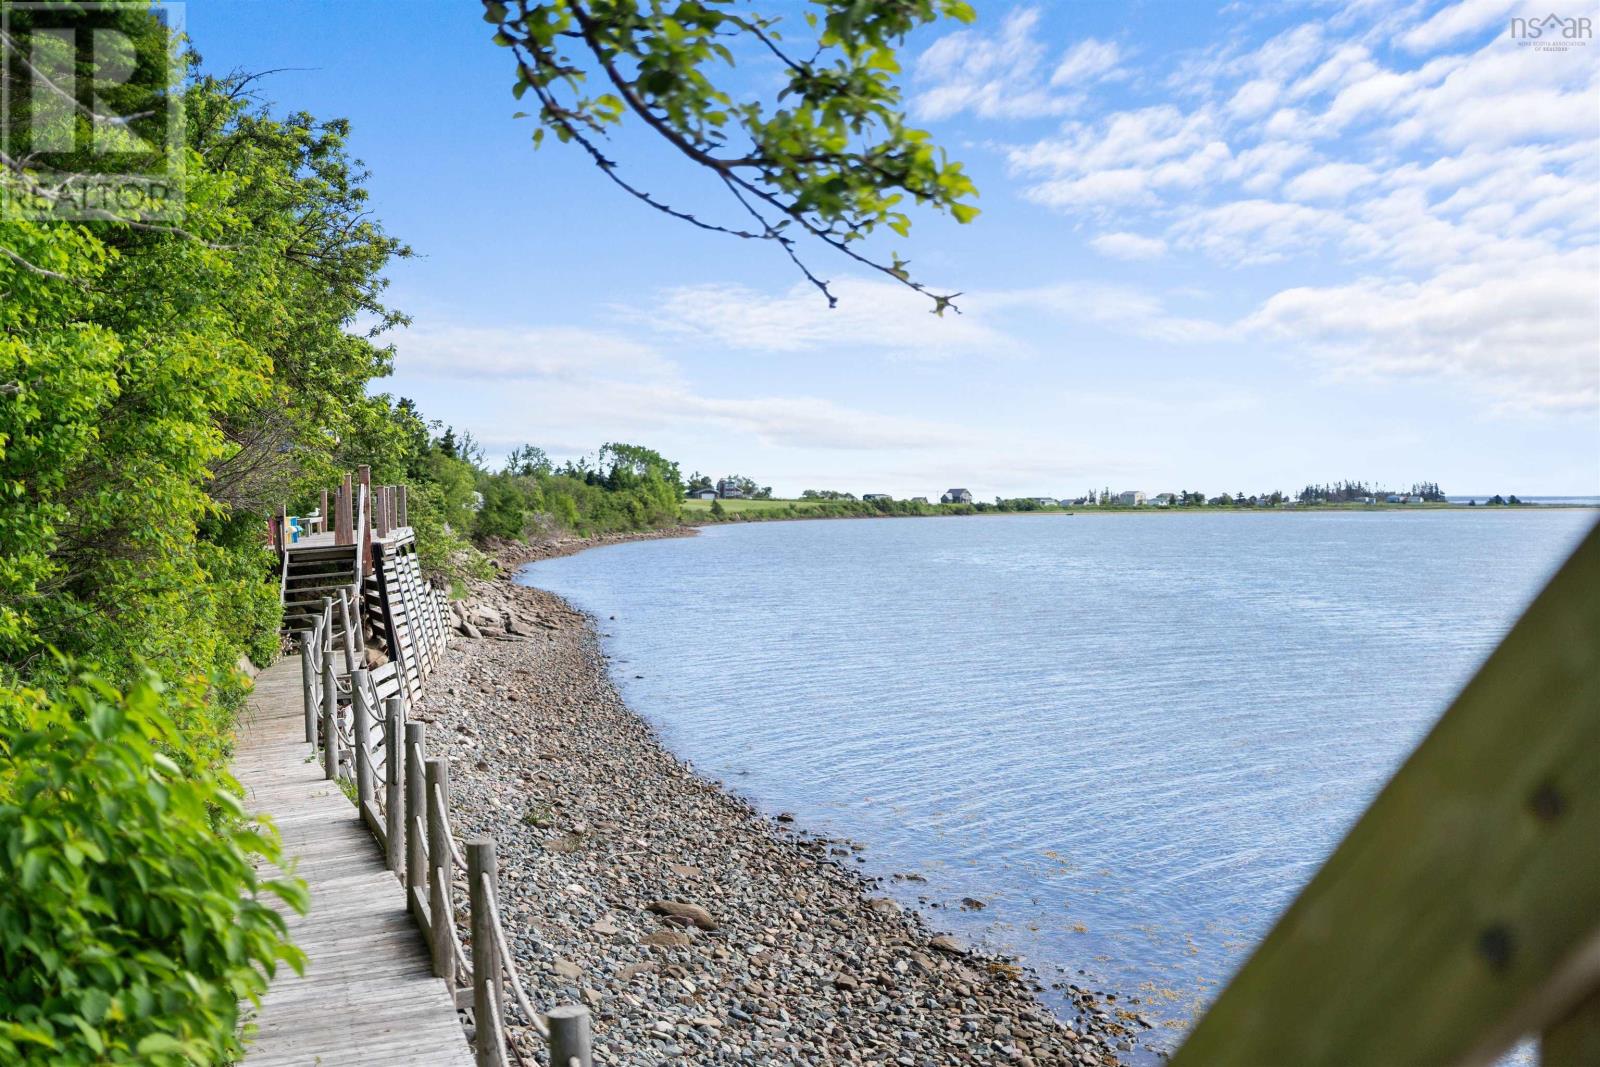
column 693, row 926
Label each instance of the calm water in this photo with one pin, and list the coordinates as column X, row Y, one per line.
column 1133, row 736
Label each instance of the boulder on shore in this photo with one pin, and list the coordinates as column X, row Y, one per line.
column 694, row 913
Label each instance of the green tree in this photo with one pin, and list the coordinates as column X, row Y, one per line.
column 830, row 157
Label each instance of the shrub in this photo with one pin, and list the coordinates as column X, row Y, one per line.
column 133, row 920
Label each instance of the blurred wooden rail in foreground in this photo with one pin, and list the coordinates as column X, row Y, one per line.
column 1462, row 912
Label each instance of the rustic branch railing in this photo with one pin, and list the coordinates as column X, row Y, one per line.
column 411, row 822
column 1462, row 912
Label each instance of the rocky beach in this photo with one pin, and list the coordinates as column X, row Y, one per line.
column 697, row 929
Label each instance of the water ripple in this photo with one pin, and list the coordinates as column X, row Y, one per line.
column 1135, row 736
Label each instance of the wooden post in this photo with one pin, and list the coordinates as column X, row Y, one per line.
column 347, row 622
column 489, row 1023
column 330, row 696
column 308, row 678
column 440, row 923
column 345, row 528
column 283, row 528
column 361, row 716
column 380, row 510
column 416, row 805
column 569, row 1035
column 322, row 514
column 330, row 720
column 394, row 803
column 403, row 516
column 364, row 535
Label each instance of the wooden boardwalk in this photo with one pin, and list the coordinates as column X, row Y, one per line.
column 368, row 995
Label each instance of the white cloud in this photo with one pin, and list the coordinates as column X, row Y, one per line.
column 816, row 423
column 882, row 316
column 1085, row 61
column 1524, row 333
column 532, row 352
column 1331, row 181
column 1436, row 181
column 1129, row 246
column 1456, row 21
column 1120, row 308
column 575, row 383
column 993, row 77
column 1254, row 98
column 1002, row 76
column 1125, row 160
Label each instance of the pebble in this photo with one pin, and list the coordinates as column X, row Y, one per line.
column 780, row 955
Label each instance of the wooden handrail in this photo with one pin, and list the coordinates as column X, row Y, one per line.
column 363, row 538
column 1462, row 912
column 414, row 824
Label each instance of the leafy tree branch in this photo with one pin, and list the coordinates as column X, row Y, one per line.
column 831, row 158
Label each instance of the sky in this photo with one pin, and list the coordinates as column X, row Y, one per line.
column 1229, row 247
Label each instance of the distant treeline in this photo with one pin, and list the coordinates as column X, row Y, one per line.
column 1356, row 492
column 626, row 487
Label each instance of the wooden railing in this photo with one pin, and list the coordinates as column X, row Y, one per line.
column 410, row 818
column 353, row 511
column 1462, row 912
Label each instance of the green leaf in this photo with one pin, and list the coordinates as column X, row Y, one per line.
column 155, row 1044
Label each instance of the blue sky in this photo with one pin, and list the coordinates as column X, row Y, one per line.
column 1223, row 247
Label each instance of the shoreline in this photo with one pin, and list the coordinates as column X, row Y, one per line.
column 693, row 926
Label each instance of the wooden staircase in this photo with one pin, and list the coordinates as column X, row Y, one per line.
column 362, row 555
column 310, row 574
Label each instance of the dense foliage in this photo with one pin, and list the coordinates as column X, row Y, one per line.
column 626, row 487
column 830, row 156
column 163, row 384
column 166, row 382
column 133, row 919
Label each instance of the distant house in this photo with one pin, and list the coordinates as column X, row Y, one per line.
column 876, row 496
column 728, row 489
column 1165, row 500
column 1046, row 501
column 919, row 500
column 705, row 493
column 1392, row 498
column 956, row 496
column 1131, row 499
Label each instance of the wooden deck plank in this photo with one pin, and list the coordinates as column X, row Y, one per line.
column 367, row 996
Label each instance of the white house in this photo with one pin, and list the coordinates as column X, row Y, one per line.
column 1132, row 498
column 706, row 493
column 956, row 496
column 728, row 489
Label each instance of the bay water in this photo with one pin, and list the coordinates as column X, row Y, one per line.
column 1131, row 737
